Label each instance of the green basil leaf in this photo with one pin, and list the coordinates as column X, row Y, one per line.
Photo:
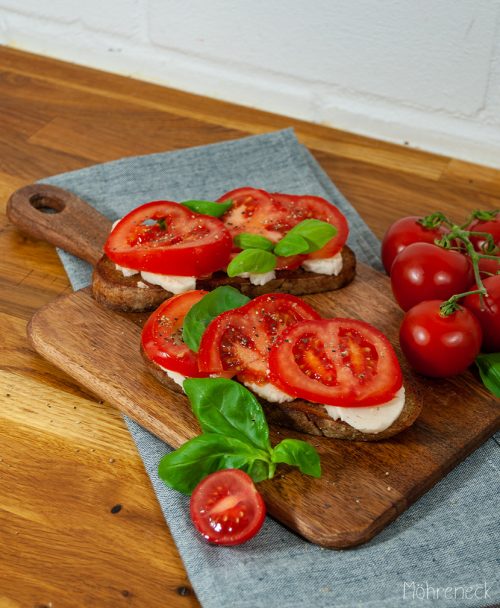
column 291, row 244
column 183, row 469
column 315, row 233
column 210, row 306
column 208, row 207
column 261, row 470
column 252, row 260
column 227, row 407
column 489, row 370
column 300, row 454
column 247, row 240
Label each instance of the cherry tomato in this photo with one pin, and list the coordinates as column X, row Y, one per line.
column 226, row 508
column 239, row 340
column 487, row 313
column 427, row 272
column 492, row 227
column 167, row 238
column 161, row 338
column 342, row 362
column 402, row 233
column 439, row 346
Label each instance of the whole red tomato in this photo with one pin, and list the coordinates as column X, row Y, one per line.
column 492, row 227
column 427, row 272
column 488, row 313
column 402, row 233
column 439, row 346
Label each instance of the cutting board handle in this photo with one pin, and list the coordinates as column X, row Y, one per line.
column 60, row 218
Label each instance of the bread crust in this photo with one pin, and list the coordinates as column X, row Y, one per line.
column 312, row 418
column 111, row 288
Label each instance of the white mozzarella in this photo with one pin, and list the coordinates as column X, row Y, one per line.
column 331, row 266
column 269, row 392
column 370, row 419
column 172, row 283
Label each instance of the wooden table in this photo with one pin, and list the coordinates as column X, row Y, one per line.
column 79, row 523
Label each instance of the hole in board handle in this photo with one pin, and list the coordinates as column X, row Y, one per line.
column 47, row 204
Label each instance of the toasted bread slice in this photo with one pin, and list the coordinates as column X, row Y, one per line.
column 312, row 418
column 132, row 294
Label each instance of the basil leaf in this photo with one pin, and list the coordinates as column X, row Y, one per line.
column 247, row 240
column 300, row 454
column 261, row 470
column 489, row 370
column 184, row 468
column 315, row 233
column 252, row 260
column 210, row 306
column 227, row 407
column 291, row 244
column 208, row 207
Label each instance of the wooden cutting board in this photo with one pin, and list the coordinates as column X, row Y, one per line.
column 364, row 486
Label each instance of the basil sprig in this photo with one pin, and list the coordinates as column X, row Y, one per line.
column 306, row 237
column 210, row 306
column 235, row 434
column 208, row 207
column 489, row 370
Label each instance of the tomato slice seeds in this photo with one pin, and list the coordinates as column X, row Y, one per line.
column 341, row 362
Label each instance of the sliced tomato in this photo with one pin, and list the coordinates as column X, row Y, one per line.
column 167, row 238
column 273, row 215
column 162, row 335
column 239, row 340
column 256, row 212
column 343, row 362
column 303, row 207
column 226, row 508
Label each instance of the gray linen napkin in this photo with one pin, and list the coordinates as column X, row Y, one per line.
column 447, row 543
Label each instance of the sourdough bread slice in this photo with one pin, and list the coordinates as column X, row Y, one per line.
column 312, row 418
column 132, row 294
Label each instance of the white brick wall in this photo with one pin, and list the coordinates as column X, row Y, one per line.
column 426, row 72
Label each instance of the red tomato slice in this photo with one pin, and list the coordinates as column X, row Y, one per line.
column 343, row 362
column 273, row 215
column 162, row 335
column 303, row 207
column 239, row 340
column 256, row 212
column 167, row 238
column 226, row 508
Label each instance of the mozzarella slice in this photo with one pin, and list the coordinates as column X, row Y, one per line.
column 331, row 266
column 370, row 419
column 269, row 392
column 126, row 272
column 173, row 283
column 258, row 279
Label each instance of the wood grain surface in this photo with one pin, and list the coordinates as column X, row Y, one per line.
column 362, row 487
column 66, row 458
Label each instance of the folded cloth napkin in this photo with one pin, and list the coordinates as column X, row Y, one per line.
column 443, row 551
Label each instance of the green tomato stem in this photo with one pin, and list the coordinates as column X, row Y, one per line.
column 450, row 306
column 461, row 234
